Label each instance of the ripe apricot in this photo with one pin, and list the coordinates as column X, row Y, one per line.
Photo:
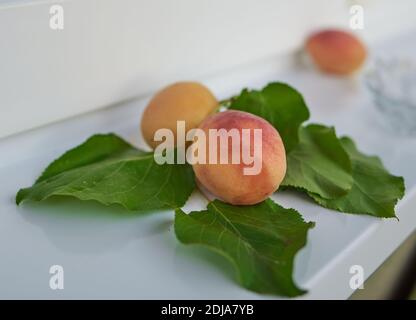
column 191, row 102
column 229, row 181
column 336, row 51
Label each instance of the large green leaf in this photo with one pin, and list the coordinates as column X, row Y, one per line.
column 260, row 240
column 107, row 169
column 375, row 191
column 319, row 164
column 278, row 103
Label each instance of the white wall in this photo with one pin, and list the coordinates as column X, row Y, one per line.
column 111, row 50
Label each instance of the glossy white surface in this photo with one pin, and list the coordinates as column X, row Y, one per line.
column 110, row 253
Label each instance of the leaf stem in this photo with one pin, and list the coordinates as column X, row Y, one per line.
column 225, row 102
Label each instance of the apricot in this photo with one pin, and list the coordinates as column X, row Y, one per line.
column 191, row 102
column 230, row 181
column 336, row 51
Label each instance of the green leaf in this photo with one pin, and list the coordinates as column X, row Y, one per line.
column 109, row 170
column 97, row 148
column 375, row 191
column 319, row 164
column 260, row 240
column 278, row 103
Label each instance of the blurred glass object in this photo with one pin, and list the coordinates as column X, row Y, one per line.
column 392, row 84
